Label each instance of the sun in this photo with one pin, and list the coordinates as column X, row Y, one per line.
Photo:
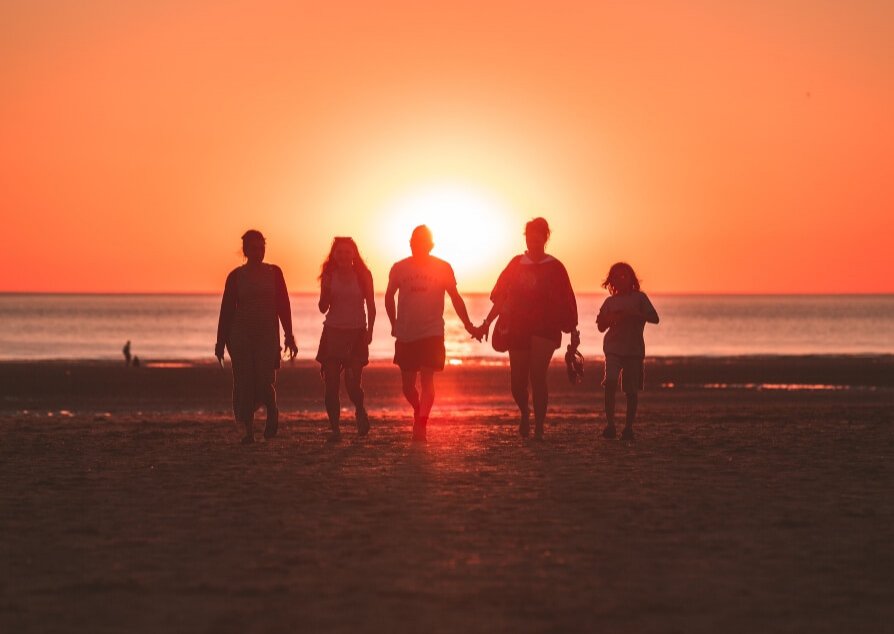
column 471, row 228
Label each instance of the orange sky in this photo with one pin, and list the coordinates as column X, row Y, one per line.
column 739, row 148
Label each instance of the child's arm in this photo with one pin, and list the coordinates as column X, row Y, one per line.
column 605, row 319
column 649, row 312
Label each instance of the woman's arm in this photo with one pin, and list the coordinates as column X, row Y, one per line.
column 570, row 309
column 284, row 311
column 225, row 319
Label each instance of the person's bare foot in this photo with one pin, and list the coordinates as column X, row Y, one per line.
column 627, row 434
column 334, row 436
column 272, row 425
column 419, row 429
column 524, row 426
column 247, row 439
column 362, row 422
column 609, row 432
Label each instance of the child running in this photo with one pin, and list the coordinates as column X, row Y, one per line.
column 623, row 315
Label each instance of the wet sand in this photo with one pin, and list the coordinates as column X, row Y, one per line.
column 126, row 505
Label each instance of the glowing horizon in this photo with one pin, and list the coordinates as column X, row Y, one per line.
column 719, row 148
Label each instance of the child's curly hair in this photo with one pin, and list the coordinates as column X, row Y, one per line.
column 611, row 280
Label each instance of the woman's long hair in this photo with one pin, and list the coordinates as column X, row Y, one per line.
column 611, row 280
column 360, row 268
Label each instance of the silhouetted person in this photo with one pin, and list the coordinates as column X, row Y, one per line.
column 536, row 304
column 126, row 352
column 136, row 361
column 255, row 301
column 623, row 318
column 346, row 286
column 417, row 322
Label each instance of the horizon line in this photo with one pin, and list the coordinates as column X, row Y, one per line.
column 579, row 292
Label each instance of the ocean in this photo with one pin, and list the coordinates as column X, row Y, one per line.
column 183, row 327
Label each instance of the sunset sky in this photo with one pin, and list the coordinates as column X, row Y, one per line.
column 718, row 147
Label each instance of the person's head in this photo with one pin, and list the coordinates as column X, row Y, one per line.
column 621, row 279
column 537, row 234
column 343, row 254
column 421, row 242
column 254, row 245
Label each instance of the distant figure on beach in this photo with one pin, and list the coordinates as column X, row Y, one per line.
column 535, row 304
column 136, row 361
column 255, row 302
column 346, row 286
column 417, row 322
column 623, row 318
column 126, row 352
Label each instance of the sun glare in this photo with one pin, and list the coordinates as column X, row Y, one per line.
column 471, row 227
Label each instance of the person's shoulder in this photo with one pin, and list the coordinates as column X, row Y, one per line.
column 444, row 267
column 556, row 263
column 434, row 260
column 400, row 265
column 273, row 267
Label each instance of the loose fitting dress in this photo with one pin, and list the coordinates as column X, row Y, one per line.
column 255, row 300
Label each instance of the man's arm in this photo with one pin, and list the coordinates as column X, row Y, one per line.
column 370, row 308
column 460, row 307
column 390, row 308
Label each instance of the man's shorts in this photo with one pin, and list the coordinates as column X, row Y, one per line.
column 421, row 354
column 629, row 368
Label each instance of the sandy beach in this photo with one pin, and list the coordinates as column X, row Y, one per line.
column 757, row 496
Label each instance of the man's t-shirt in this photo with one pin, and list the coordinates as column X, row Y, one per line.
column 421, row 283
column 625, row 338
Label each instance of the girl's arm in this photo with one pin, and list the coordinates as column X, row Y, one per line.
column 325, row 288
column 370, row 308
column 605, row 319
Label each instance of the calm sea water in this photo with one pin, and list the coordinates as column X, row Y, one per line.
column 45, row 326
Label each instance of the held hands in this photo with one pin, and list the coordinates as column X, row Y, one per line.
column 479, row 333
column 291, row 347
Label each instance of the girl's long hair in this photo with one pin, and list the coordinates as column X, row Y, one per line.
column 611, row 280
column 360, row 268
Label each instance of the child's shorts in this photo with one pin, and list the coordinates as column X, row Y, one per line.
column 629, row 368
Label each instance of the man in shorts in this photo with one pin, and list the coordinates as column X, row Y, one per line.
column 417, row 321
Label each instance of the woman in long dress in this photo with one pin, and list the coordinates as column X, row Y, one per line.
column 346, row 287
column 536, row 304
column 255, row 302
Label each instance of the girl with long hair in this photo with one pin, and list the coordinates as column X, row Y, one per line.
column 623, row 318
column 346, row 287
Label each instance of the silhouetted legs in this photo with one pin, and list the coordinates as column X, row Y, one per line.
column 611, row 388
column 253, row 386
column 332, row 382
column 531, row 366
column 421, row 403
